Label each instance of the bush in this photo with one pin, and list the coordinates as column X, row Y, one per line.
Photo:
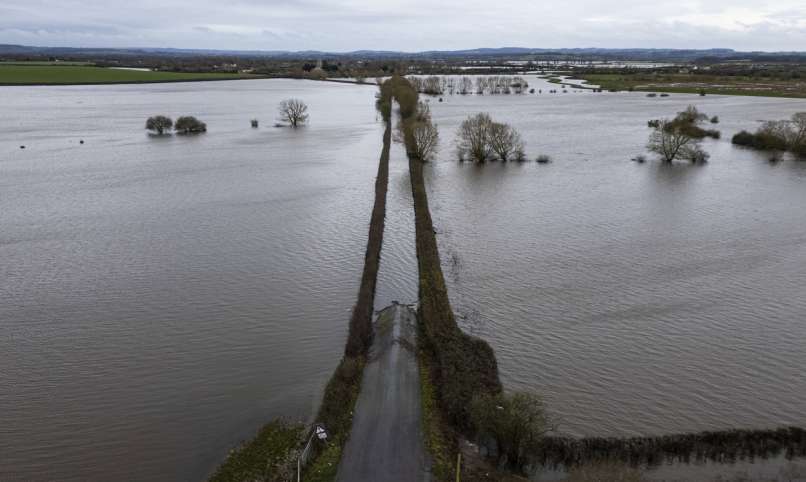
column 698, row 156
column 543, row 159
column 744, row 138
column 516, row 422
column 159, row 124
column 190, row 125
column 769, row 137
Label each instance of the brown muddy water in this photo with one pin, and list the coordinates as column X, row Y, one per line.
column 161, row 298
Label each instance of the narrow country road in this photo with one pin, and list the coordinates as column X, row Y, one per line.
column 385, row 441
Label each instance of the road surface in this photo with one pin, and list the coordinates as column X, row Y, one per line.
column 386, row 443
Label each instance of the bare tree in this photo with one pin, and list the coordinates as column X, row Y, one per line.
column 293, row 111
column 671, row 141
column 796, row 137
column 426, row 138
column 465, row 85
column 473, row 137
column 505, row 141
column 159, row 124
column 432, row 86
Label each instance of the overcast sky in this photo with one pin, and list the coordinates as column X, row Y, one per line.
column 409, row 25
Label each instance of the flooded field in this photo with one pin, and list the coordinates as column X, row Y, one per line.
column 637, row 298
column 161, row 298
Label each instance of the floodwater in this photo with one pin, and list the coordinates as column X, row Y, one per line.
column 635, row 298
column 161, row 298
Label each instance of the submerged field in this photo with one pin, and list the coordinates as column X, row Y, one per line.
column 37, row 73
column 200, row 286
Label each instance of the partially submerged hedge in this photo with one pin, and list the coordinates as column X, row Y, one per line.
column 341, row 393
column 466, row 365
column 359, row 338
column 723, row 447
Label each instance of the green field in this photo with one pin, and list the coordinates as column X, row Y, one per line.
column 694, row 84
column 38, row 74
column 42, row 62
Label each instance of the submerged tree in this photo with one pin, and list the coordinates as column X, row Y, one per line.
column 189, row 125
column 473, row 137
column 159, row 124
column 480, row 139
column 505, row 141
column 425, row 133
column 672, row 141
column 777, row 136
column 294, row 112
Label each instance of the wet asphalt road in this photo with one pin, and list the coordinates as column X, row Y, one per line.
column 386, row 442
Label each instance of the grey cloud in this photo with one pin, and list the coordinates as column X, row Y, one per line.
column 404, row 24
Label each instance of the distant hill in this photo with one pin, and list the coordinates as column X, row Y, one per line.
column 680, row 55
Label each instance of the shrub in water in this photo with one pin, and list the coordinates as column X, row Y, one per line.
column 189, row 125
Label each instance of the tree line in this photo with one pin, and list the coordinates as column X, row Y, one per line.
column 464, row 85
column 777, row 136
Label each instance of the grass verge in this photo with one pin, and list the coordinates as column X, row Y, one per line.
column 439, row 440
column 270, row 455
column 16, row 74
column 694, row 84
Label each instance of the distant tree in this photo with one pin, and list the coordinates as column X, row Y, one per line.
column 189, row 125
column 517, row 422
column 691, row 115
column 159, row 124
column 473, row 137
column 671, row 141
column 294, row 112
column 465, row 85
column 505, row 141
column 360, row 79
column 796, row 135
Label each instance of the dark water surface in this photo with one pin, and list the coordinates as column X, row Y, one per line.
column 161, row 298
